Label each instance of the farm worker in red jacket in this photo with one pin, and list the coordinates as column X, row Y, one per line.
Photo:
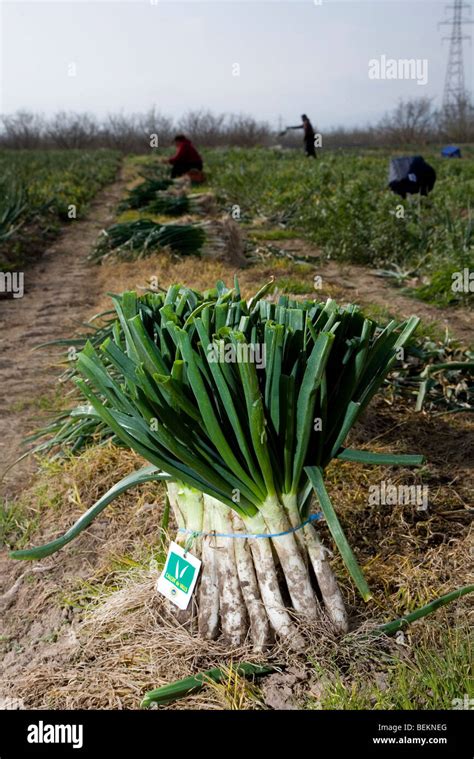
column 185, row 158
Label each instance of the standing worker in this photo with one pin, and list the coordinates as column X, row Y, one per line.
column 308, row 136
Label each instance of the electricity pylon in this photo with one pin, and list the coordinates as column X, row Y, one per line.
column 454, row 87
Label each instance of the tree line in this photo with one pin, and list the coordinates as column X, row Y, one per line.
column 411, row 121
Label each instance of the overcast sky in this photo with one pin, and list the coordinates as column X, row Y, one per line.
column 294, row 56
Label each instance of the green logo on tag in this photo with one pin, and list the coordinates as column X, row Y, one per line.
column 179, row 572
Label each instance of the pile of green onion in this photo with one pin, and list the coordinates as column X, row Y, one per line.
column 134, row 239
column 239, row 406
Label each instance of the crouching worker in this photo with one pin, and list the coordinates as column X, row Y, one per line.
column 410, row 175
column 186, row 159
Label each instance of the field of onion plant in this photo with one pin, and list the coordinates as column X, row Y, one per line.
column 39, row 190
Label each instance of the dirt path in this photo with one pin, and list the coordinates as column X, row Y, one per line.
column 60, row 290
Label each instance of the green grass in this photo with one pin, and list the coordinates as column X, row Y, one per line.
column 439, row 290
column 19, row 518
column 425, row 677
column 294, row 285
column 17, row 525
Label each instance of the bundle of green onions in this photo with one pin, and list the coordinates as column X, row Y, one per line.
column 144, row 193
column 133, row 239
column 169, row 204
column 176, row 202
column 239, row 406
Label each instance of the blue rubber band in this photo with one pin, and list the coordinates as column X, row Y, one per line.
column 196, row 533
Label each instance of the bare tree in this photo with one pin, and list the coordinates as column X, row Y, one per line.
column 155, row 123
column 203, row 126
column 72, row 130
column 410, row 121
column 23, row 130
column 456, row 122
column 246, row 131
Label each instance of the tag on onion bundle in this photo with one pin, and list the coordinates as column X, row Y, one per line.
column 179, row 576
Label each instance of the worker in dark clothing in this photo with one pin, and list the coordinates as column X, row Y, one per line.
column 308, row 136
column 185, row 158
column 410, row 175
